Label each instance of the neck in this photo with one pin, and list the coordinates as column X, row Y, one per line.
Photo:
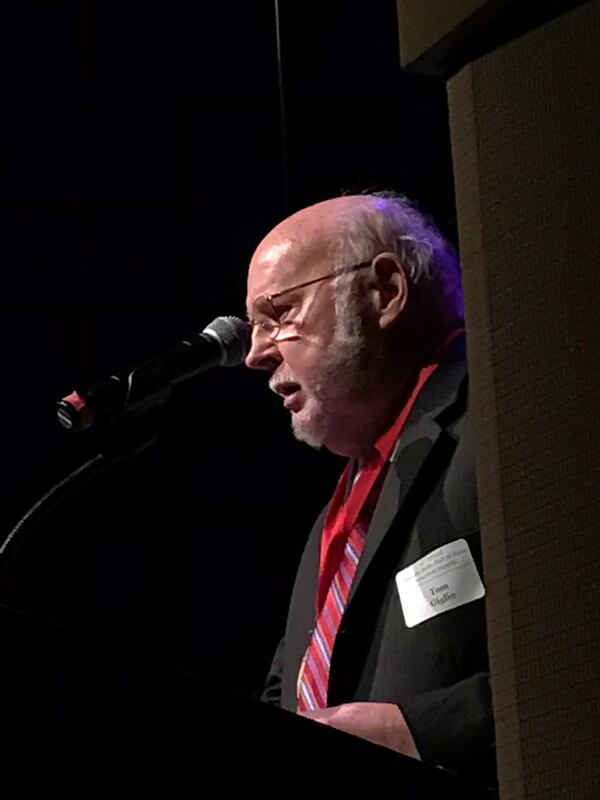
column 365, row 421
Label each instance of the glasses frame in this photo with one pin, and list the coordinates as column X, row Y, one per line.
column 274, row 332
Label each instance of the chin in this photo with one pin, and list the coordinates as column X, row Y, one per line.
column 317, row 428
column 311, row 425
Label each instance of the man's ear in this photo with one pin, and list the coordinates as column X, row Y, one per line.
column 391, row 287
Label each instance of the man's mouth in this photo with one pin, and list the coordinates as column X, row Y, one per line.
column 289, row 391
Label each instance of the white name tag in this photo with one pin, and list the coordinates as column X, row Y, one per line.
column 443, row 579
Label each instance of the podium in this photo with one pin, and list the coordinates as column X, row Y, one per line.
column 83, row 719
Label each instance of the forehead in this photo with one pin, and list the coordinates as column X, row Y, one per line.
column 282, row 262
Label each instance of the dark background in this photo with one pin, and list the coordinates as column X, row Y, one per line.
column 143, row 157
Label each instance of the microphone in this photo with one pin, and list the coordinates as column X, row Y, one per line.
column 225, row 343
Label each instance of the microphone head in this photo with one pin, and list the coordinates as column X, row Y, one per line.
column 233, row 334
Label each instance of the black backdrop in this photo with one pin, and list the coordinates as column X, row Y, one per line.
column 142, row 160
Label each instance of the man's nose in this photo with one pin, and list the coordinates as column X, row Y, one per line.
column 263, row 353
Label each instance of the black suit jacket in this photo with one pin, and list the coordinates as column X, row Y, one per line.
column 437, row 671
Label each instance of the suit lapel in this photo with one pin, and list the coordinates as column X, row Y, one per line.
column 416, row 442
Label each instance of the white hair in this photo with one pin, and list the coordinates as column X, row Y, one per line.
column 389, row 222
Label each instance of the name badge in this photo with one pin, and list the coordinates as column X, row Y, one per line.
column 440, row 581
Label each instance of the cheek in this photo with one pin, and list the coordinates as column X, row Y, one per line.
column 303, row 358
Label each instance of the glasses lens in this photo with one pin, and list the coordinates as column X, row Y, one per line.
column 271, row 328
column 265, row 317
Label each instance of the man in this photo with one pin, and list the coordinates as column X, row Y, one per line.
column 357, row 315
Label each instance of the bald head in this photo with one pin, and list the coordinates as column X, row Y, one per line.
column 325, row 219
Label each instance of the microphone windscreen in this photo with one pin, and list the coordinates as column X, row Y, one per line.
column 233, row 334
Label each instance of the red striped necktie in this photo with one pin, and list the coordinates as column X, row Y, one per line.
column 342, row 544
column 314, row 674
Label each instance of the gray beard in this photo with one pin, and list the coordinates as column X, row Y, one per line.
column 349, row 375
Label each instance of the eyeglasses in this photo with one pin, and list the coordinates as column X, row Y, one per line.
column 269, row 318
